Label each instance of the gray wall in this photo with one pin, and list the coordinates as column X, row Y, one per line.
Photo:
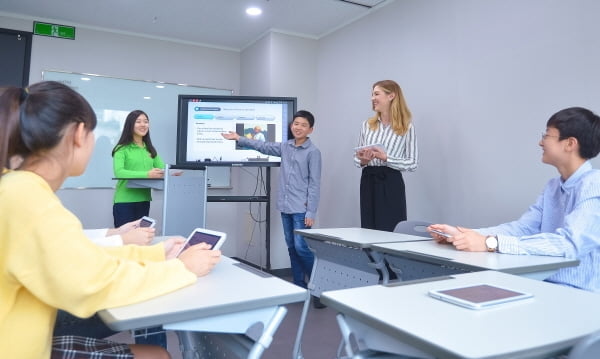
column 481, row 78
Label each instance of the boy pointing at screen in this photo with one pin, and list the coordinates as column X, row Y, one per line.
column 299, row 179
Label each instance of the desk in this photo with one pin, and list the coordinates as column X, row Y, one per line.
column 417, row 260
column 405, row 319
column 343, row 259
column 234, row 298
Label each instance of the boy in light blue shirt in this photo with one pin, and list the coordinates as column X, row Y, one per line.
column 299, row 181
column 565, row 220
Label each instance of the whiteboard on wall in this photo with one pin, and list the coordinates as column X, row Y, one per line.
column 112, row 99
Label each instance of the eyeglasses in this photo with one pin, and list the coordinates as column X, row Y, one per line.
column 544, row 135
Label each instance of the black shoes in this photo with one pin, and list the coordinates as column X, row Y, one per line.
column 317, row 303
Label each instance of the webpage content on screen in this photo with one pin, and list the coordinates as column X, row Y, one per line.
column 207, row 120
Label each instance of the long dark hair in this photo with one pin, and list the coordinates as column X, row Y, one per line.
column 127, row 134
column 33, row 119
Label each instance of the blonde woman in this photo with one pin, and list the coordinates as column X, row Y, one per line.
column 387, row 145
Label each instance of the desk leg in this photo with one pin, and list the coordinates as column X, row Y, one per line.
column 189, row 344
column 264, row 341
column 297, row 352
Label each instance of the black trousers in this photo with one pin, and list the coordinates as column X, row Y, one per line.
column 129, row 211
column 382, row 198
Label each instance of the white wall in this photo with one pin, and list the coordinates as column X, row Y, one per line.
column 481, row 78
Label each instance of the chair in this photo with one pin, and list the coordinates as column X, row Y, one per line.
column 415, row 228
column 587, row 348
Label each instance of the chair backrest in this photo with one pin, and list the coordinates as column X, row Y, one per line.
column 416, row 228
column 587, row 348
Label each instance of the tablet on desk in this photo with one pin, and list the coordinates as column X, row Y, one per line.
column 479, row 296
column 203, row 235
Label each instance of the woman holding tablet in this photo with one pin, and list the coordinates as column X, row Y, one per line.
column 387, row 145
column 46, row 260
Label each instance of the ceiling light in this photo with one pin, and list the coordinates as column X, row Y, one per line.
column 253, row 11
column 160, row 86
column 85, row 78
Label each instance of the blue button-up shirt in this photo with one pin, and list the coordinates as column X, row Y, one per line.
column 299, row 176
column 564, row 221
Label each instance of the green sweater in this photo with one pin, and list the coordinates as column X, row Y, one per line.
column 133, row 161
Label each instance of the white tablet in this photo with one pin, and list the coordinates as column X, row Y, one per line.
column 369, row 146
column 202, row 235
column 147, row 222
column 479, row 296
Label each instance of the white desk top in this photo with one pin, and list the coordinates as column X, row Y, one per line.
column 227, row 289
column 554, row 320
column 358, row 237
column 445, row 254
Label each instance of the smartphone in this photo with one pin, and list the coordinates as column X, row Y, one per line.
column 147, row 222
column 203, row 235
column 440, row 233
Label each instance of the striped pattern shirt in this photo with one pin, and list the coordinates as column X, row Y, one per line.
column 402, row 152
column 565, row 222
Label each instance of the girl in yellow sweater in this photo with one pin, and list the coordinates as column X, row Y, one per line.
column 46, row 261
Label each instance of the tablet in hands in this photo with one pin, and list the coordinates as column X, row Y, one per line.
column 201, row 235
column 147, row 222
column 377, row 145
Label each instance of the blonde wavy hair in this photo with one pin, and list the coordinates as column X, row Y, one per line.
column 399, row 111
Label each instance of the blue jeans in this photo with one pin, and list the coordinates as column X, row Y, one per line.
column 301, row 258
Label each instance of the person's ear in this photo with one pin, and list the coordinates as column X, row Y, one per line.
column 572, row 144
column 80, row 134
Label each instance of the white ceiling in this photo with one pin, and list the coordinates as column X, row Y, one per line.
column 217, row 23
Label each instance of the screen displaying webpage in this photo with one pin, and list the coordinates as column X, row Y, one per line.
column 207, row 120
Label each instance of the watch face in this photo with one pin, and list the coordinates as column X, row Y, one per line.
column 491, row 242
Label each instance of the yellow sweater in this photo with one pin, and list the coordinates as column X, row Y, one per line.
column 46, row 262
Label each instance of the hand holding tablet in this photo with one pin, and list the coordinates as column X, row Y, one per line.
column 371, row 146
column 201, row 235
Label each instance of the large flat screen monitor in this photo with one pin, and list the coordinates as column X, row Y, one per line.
column 202, row 119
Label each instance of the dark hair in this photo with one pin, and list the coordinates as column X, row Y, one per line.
column 33, row 119
column 307, row 115
column 582, row 124
column 127, row 134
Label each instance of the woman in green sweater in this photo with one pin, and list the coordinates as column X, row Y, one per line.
column 134, row 156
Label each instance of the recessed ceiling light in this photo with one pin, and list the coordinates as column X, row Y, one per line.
column 147, row 97
column 160, row 86
column 253, row 11
column 85, row 78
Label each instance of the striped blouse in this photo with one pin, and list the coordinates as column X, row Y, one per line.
column 564, row 222
column 402, row 152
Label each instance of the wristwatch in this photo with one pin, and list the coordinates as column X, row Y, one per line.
column 491, row 242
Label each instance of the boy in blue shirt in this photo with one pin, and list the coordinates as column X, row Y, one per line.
column 299, row 180
column 565, row 220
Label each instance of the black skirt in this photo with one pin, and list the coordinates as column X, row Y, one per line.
column 382, row 198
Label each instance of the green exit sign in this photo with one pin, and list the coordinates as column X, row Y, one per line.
column 54, row 30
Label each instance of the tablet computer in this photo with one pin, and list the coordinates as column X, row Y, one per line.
column 479, row 296
column 369, row 146
column 203, row 235
column 147, row 222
